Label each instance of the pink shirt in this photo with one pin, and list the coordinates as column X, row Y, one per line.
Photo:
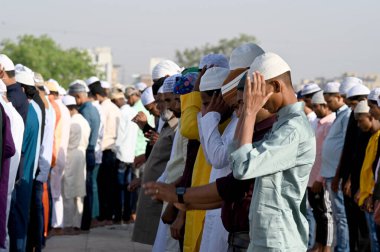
column 321, row 131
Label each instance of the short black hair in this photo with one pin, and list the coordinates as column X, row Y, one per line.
column 157, row 84
column 11, row 73
column 210, row 93
column 96, row 88
column 357, row 98
column 71, row 107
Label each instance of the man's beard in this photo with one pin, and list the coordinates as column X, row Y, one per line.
column 166, row 115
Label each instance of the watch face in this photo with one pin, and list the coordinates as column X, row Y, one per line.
column 181, row 190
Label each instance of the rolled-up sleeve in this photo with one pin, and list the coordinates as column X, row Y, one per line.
column 276, row 153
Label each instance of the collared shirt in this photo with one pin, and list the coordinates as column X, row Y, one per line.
column 281, row 164
column 111, row 121
column 18, row 99
column 126, row 135
column 237, row 194
column 323, row 127
column 334, row 141
column 46, row 152
column 91, row 114
column 141, row 140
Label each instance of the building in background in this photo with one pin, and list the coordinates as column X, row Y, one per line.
column 102, row 58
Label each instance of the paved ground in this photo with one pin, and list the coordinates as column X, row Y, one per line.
column 110, row 238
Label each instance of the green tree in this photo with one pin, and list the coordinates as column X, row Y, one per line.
column 42, row 54
column 191, row 57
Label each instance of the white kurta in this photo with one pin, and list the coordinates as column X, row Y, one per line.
column 74, row 177
column 215, row 147
column 57, row 171
column 17, row 129
column 126, row 135
column 46, row 152
column 174, row 169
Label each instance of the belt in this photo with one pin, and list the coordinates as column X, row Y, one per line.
column 239, row 239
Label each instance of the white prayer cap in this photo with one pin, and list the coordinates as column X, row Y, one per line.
column 362, row 108
column 117, row 95
column 310, row 88
column 374, row 94
column 52, row 85
column 270, row 65
column 105, row 84
column 168, row 85
column 69, row 100
column 348, row 83
column 244, row 55
column 61, row 91
column 141, row 86
column 3, row 87
column 161, row 90
column 318, row 98
column 213, row 78
column 6, row 63
column 378, row 102
column 165, row 68
column 147, row 96
column 358, row 90
column 21, row 68
column 38, row 79
column 217, row 60
column 80, row 82
column 92, row 80
column 120, row 87
column 54, row 81
column 331, row 88
column 25, row 78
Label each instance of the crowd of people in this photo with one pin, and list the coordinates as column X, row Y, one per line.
column 223, row 156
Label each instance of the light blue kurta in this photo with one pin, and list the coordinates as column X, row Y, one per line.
column 281, row 164
column 333, row 143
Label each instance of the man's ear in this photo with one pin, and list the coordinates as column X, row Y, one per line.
column 277, row 86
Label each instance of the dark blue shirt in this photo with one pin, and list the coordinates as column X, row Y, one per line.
column 91, row 114
column 16, row 95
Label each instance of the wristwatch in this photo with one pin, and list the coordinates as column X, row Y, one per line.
column 180, row 192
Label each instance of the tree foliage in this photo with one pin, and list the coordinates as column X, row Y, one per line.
column 42, row 54
column 191, row 57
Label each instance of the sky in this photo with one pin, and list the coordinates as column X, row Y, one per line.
column 317, row 38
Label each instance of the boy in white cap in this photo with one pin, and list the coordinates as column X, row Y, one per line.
column 307, row 93
column 374, row 108
column 317, row 197
column 74, row 176
column 364, row 198
column 282, row 160
column 331, row 153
